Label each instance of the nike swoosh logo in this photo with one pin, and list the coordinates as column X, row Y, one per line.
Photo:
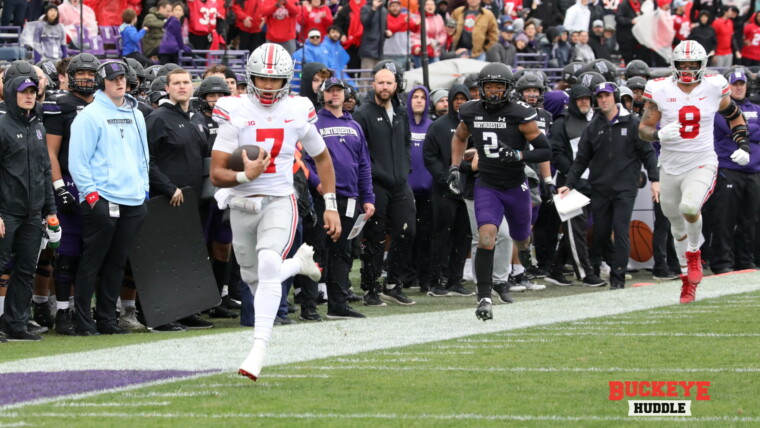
column 702, row 98
column 289, row 120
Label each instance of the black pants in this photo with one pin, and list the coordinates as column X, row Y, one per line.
column 393, row 208
column 106, row 244
column 573, row 246
column 545, row 233
column 23, row 236
column 314, row 235
column 168, row 58
column 665, row 257
column 420, row 260
column 734, row 204
column 451, row 238
column 339, row 258
column 137, row 56
column 251, row 41
column 199, row 42
column 613, row 214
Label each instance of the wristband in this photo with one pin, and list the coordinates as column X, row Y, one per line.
column 57, row 184
column 548, row 180
column 92, row 198
column 242, row 178
column 331, row 202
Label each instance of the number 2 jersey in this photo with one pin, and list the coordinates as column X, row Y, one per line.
column 276, row 129
column 493, row 129
column 696, row 114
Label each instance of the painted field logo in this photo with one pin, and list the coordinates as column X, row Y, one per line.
column 656, row 389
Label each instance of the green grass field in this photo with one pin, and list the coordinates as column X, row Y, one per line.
column 554, row 374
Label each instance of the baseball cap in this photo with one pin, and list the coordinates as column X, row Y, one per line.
column 28, row 83
column 605, row 87
column 333, row 81
column 451, row 23
column 112, row 70
column 737, row 76
column 315, row 33
column 508, row 27
column 598, row 23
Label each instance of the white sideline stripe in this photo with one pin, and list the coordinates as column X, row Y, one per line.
column 338, row 338
column 120, row 404
column 15, row 424
column 391, row 416
column 427, row 353
column 172, row 394
column 649, row 334
column 538, row 369
column 382, row 360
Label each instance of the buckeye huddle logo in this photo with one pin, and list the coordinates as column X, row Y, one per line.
column 651, row 390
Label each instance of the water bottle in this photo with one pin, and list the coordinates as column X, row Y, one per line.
column 54, row 226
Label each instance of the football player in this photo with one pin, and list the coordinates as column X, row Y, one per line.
column 264, row 212
column 502, row 131
column 684, row 105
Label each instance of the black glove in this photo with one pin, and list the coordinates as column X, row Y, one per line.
column 67, row 202
column 508, row 154
column 548, row 190
column 455, row 180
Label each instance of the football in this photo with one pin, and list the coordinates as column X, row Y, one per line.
column 236, row 159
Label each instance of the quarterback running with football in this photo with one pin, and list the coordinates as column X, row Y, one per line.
column 684, row 105
column 263, row 207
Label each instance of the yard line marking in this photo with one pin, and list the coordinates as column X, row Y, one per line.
column 340, row 338
column 538, row 369
column 646, row 334
column 172, row 394
column 392, row 416
column 428, row 353
column 294, row 376
column 15, row 424
column 119, row 404
column 384, row 360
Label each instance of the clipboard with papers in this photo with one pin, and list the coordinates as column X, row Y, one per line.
column 571, row 205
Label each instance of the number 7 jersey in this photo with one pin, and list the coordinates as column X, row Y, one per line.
column 276, row 129
column 696, row 114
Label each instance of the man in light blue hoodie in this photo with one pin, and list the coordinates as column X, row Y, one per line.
column 109, row 162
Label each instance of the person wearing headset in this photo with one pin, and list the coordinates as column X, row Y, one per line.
column 613, row 152
column 109, row 162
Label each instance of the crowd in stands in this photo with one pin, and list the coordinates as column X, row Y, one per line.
column 408, row 145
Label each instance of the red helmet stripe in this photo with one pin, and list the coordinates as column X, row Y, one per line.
column 270, row 56
column 687, row 49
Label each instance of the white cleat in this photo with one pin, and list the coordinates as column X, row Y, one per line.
column 305, row 256
column 253, row 364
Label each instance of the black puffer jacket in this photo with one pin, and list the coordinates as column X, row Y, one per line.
column 26, row 187
column 389, row 142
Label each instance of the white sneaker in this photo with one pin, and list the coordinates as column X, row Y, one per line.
column 128, row 320
column 532, row 286
column 305, row 256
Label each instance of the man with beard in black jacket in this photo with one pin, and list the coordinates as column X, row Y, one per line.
column 451, row 236
column 26, row 194
column 386, row 126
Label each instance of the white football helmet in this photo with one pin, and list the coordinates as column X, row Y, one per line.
column 269, row 60
column 689, row 51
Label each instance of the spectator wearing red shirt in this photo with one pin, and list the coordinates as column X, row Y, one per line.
column 314, row 15
column 281, row 18
column 396, row 41
column 249, row 23
column 751, row 49
column 202, row 18
column 681, row 22
column 724, row 35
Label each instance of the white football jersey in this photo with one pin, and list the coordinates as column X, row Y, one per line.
column 276, row 129
column 696, row 114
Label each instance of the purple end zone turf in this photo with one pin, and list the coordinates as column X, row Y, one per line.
column 28, row 386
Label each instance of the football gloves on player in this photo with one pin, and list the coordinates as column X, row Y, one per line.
column 508, row 154
column 455, row 180
column 670, row 132
column 67, row 202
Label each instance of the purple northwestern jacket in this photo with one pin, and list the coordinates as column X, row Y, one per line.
column 725, row 146
column 348, row 148
column 419, row 179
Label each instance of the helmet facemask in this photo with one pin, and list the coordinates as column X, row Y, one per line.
column 494, row 100
column 691, row 74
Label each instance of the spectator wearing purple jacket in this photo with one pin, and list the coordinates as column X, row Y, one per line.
column 353, row 187
column 172, row 43
column 421, row 182
column 733, row 207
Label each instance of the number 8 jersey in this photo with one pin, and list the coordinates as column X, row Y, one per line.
column 492, row 129
column 696, row 114
column 276, row 129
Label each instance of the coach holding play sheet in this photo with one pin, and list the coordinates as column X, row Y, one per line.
column 108, row 160
column 612, row 151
